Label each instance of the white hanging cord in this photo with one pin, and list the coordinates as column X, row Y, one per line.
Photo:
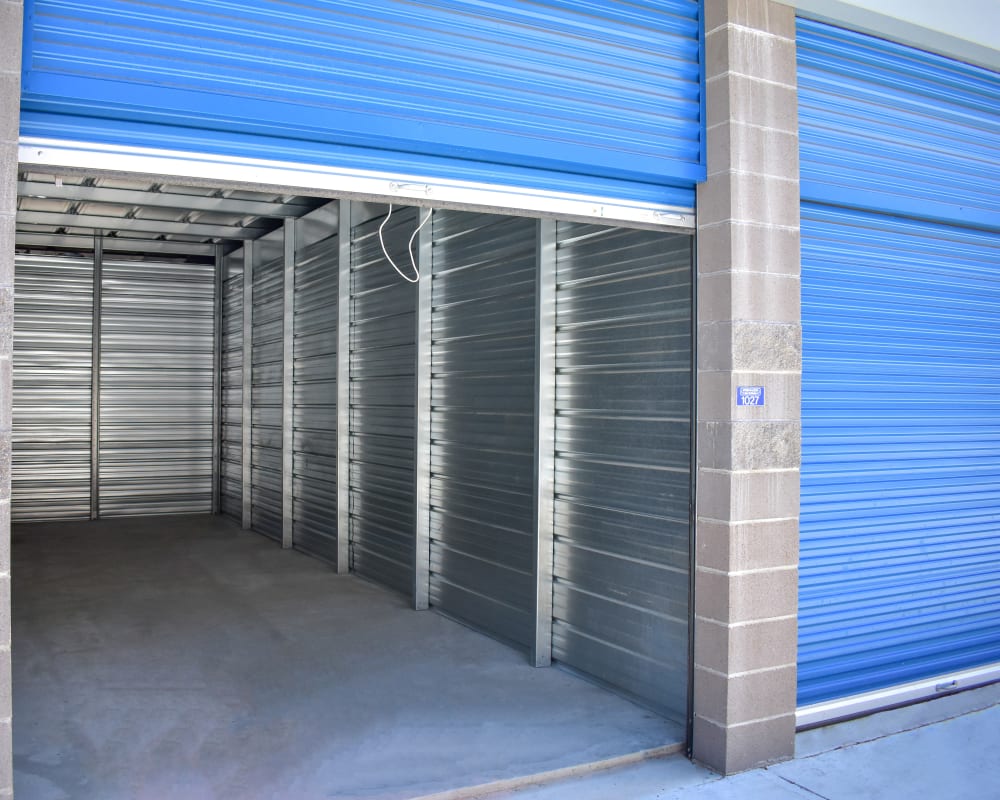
column 409, row 247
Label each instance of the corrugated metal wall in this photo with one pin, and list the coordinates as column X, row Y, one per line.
column 623, row 452
column 53, row 332
column 383, row 336
column 482, row 553
column 900, row 558
column 231, row 477
column 268, row 316
column 314, row 490
column 394, row 86
column 157, row 333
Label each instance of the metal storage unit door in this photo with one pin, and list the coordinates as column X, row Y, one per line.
column 623, row 455
column 382, row 398
column 482, row 552
column 394, row 87
column 900, row 550
column 231, row 477
column 157, row 334
column 53, row 327
column 314, row 488
column 265, row 447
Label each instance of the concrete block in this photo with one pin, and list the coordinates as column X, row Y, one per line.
column 746, row 99
column 8, row 178
column 749, row 445
column 741, row 546
column 737, row 246
column 738, row 748
column 760, row 14
column 8, row 227
column 6, row 316
column 5, row 535
column 736, row 699
column 749, row 296
column 741, row 648
column 10, row 98
column 743, row 197
column 747, row 496
column 6, row 756
column 717, row 396
column 746, row 597
column 749, row 346
column 11, row 30
column 755, row 53
column 745, row 148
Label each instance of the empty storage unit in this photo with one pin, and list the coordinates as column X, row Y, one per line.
column 477, row 398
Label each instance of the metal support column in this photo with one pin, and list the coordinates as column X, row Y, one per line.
column 344, row 389
column 247, row 415
column 422, row 422
column 545, row 410
column 217, row 382
column 95, row 380
column 288, row 385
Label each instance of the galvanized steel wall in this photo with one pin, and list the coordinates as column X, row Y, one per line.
column 53, row 307
column 314, row 489
column 382, row 400
column 623, row 453
column 482, row 555
column 157, row 334
column 266, row 366
column 231, row 478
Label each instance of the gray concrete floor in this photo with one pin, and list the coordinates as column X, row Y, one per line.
column 166, row 658
column 943, row 749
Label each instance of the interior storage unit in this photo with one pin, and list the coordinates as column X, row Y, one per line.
column 504, row 438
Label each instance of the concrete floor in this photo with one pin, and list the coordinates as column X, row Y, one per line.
column 179, row 657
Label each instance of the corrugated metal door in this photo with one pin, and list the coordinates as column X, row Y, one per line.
column 231, row 477
column 576, row 96
column 383, row 336
column 53, row 333
column 157, row 334
column 623, row 455
column 314, row 488
column 482, row 553
column 265, row 437
column 900, row 556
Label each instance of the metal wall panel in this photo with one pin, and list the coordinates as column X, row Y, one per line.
column 314, row 489
column 50, row 459
column 900, row 558
column 157, row 335
column 900, row 552
column 266, row 367
column 232, row 387
column 382, row 400
column 623, row 451
column 563, row 95
column 888, row 128
column 482, row 554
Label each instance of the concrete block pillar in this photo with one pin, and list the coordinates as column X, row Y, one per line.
column 749, row 334
column 10, row 102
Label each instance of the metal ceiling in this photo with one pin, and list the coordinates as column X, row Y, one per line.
column 66, row 212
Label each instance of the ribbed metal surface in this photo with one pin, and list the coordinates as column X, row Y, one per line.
column 265, row 436
column 382, row 503
column 900, row 557
column 314, row 489
column 482, row 421
column 232, row 392
column 157, row 335
column 50, row 469
column 568, row 95
column 888, row 128
column 623, row 439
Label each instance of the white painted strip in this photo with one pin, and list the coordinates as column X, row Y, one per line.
column 288, row 177
column 860, row 704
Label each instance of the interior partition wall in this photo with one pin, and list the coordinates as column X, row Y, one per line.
column 504, row 437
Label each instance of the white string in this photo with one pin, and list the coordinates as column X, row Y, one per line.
column 409, row 247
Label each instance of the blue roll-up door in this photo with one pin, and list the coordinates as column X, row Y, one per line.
column 900, row 518
column 578, row 96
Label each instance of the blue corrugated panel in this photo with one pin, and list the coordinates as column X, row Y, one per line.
column 900, row 520
column 568, row 95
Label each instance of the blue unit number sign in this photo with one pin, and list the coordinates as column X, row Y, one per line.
column 749, row 395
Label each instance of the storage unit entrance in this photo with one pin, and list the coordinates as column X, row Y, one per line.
column 486, row 415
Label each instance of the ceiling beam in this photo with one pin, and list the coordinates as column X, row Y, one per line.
column 111, row 244
column 212, row 231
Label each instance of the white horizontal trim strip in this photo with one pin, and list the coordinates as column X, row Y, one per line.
column 289, row 177
column 860, row 704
